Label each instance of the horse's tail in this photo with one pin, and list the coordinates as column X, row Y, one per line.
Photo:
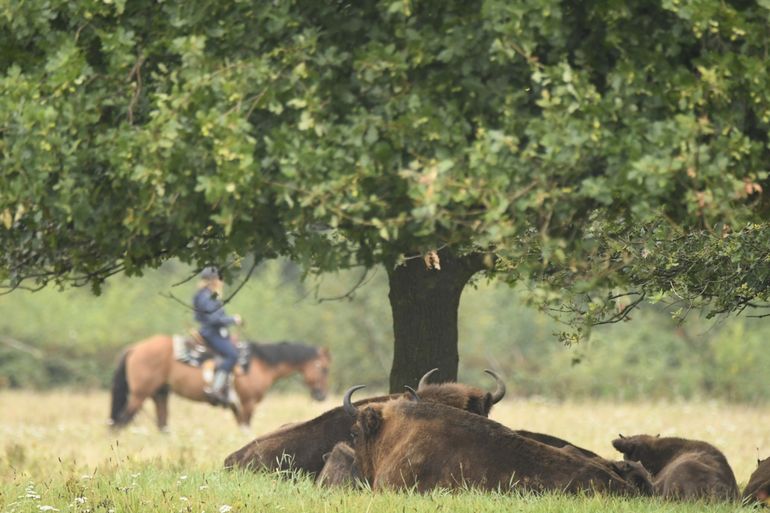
column 119, row 391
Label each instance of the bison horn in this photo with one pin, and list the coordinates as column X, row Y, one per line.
column 424, row 379
column 499, row 392
column 413, row 393
column 349, row 408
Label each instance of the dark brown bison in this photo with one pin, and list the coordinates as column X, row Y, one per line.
column 340, row 467
column 301, row 446
column 404, row 444
column 758, row 489
column 680, row 468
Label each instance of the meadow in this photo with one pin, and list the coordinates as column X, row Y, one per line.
column 57, row 454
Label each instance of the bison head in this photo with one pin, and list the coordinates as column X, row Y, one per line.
column 634, row 474
column 758, row 488
column 641, row 448
column 366, row 426
column 339, row 467
column 464, row 397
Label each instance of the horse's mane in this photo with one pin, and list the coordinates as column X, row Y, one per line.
column 283, row 352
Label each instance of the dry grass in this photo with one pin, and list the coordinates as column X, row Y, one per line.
column 51, row 437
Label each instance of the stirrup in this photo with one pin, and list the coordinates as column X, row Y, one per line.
column 217, row 398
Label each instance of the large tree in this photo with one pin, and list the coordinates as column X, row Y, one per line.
column 598, row 150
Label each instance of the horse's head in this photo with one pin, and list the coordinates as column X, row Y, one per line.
column 315, row 372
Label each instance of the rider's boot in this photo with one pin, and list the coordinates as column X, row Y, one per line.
column 219, row 392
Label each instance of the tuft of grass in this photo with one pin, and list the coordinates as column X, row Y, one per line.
column 56, row 453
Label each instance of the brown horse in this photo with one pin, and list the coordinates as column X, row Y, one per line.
column 149, row 369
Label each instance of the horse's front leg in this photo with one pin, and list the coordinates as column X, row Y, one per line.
column 161, row 407
column 246, row 411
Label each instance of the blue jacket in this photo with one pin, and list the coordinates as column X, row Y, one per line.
column 209, row 311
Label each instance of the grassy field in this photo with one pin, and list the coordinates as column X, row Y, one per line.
column 56, row 454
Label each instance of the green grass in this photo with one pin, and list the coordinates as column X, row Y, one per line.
column 56, row 452
column 151, row 486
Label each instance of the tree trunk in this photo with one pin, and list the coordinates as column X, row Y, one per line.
column 424, row 303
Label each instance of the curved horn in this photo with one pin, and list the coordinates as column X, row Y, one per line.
column 413, row 393
column 424, row 378
column 499, row 392
column 349, row 408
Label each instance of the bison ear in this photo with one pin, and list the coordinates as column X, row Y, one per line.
column 371, row 420
column 489, row 401
column 326, row 456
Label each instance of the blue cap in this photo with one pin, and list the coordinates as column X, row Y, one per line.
column 210, row 273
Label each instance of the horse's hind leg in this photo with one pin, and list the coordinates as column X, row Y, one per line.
column 160, row 397
column 134, row 404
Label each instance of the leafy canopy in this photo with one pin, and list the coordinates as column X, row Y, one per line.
column 587, row 144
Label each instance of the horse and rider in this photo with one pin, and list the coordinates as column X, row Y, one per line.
column 151, row 368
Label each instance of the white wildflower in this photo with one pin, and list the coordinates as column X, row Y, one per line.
column 47, row 508
column 225, row 508
column 184, row 499
column 80, row 500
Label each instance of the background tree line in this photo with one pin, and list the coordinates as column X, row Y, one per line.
column 72, row 338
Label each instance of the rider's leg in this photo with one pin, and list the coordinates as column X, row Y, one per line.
column 229, row 354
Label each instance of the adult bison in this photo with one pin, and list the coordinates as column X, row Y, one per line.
column 758, row 489
column 681, row 468
column 302, row 446
column 404, row 444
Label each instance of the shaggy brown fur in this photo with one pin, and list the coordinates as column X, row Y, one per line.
column 340, row 468
column 302, row 446
column 758, row 489
column 404, row 444
column 681, row 468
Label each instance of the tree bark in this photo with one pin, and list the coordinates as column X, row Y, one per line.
column 424, row 303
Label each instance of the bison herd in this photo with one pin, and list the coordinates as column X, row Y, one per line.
column 439, row 436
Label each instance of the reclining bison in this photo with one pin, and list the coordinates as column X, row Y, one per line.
column 302, row 446
column 680, row 468
column 758, row 489
column 405, row 444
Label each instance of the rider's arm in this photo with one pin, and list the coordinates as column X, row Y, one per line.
column 210, row 311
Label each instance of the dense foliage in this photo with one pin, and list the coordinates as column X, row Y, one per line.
column 583, row 143
column 72, row 338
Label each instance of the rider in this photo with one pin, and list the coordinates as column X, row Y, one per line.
column 210, row 313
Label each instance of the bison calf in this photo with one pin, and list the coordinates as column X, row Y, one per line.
column 405, row 444
column 340, row 468
column 681, row 468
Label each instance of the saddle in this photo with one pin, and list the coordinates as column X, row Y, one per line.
column 191, row 349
